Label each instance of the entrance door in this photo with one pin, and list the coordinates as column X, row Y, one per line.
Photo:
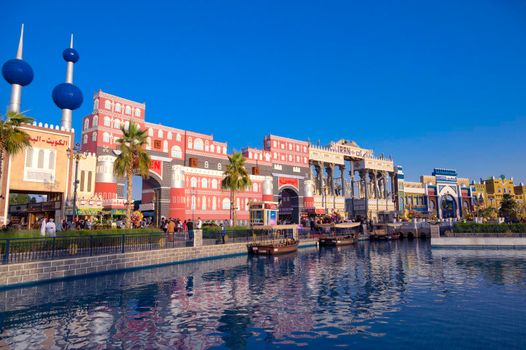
column 449, row 208
column 289, row 211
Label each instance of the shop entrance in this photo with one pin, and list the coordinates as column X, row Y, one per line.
column 26, row 209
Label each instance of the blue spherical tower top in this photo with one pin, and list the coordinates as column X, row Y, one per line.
column 70, row 55
column 67, row 96
column 17, row 71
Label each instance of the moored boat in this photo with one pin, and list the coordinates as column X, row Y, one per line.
column 336, row 240
column 273, row 247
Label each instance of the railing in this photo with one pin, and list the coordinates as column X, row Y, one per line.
column 486, row 234
column 20, row 250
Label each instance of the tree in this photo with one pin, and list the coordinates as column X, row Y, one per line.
column 508, row 208
column 236, row 179
column 487, row 214
column 12, row 138
column 132, row 159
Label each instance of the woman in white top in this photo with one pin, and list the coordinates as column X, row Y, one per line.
column 43, row 227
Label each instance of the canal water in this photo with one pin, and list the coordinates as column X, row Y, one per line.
column 394, row 295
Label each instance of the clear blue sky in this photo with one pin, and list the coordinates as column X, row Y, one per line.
column 433, row 83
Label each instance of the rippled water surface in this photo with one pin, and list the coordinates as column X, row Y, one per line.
column 390, row 295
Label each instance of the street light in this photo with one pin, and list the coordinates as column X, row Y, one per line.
column 76, row 155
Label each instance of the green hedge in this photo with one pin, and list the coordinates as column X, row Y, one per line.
column 489, row 228
column 36, row 233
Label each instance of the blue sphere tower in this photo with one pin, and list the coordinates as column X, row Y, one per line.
column 18, row 73
column 67, row 96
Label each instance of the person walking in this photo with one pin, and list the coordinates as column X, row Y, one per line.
column 170, row 230
column 223, row 233
column 190, row 226
column 199, row 223
column 43, row 227
column 185, row 226
column 51, row 228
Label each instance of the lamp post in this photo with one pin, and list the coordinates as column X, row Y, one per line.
column 76, row 155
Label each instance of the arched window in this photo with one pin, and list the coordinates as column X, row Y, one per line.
column 126, row 125
column 85, row 139
column 212, row 148
column 106, row 137
column 198, row 144
column 127, row 110
column 159, row 133
column 150, row 132
column 86, row 123
column 40, row 161
column 118, row 107
column 94, row 136
column 225, row 204
column 107, row 105
column 29, row 157
column 178, row 137
column 193, row 182
column 51, row 160
column 107, row 121
column 117, row 123
column 206, row 164
column 214, row 184
column 96, row 104
column 189, row 142
column 165, row 146
column 137, row 112
column 95, row 121
column 148, row 143
column 203, row 203
column 218, row 166
column 255, row 187
column 177, row 152
column 193, row 202
column 204, row 183
column 214, row 203
column 169, row 136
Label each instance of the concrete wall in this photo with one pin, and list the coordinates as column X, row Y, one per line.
column 478, row 242
column 25, row 273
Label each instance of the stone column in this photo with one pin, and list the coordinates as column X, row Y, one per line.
column 393, row 194
column 342, row 172
column 198, row 238
column 351, row 173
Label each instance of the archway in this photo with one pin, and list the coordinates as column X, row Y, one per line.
column 448, row 206
column 151, row 200
column 289, row 211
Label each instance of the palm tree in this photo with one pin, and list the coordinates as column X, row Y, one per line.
column 12, row 139
column 236, row 179
column 132, row 159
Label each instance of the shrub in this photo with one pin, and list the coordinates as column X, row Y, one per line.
column 471, row 227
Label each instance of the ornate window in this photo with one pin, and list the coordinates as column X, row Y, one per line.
column 96, row 104
column 189, row 142
column 225, row 203
column 95, row 121
column 159, row 133
column 198, row 144
column 193, row 182
column 165, row 146
column 117, row 124
column 255, row 187
column 204, row 183
column 137, row 112
column 203, row 203
column 107, row 105
column 127, row 110
column 177, row 152
column 212, row 148
column 107, row 121
column 106, row 137
column 214, row 184
column 169, row 136
column 94, row 136
column 150, row 132
column 148, row 143
column 118, row 107
column 178, row 137
column 214, row 203
column 126, row 125
column 86, row 123
column 85, row 139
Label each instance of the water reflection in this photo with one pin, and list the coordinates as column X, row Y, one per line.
column 395, row 294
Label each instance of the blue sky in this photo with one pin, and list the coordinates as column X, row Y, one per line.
column 433, row 83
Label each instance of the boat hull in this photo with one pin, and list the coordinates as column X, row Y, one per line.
column 335, row 241
column 272, row 249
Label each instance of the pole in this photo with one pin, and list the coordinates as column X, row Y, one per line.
column 75, row 188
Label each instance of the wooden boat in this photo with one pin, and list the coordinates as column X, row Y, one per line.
column 385, row 231
column 336, row 240
column 273, row 247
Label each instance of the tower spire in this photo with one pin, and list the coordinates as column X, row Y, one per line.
column 67, row 96
column 18, row 73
